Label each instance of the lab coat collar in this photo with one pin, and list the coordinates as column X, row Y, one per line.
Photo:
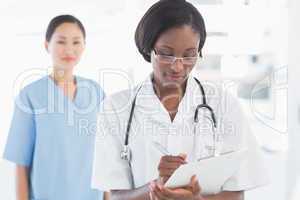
column 148, row 103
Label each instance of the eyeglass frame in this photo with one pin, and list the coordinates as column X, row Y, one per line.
column 174, row 58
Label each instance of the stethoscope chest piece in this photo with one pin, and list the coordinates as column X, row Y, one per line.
column 126, row 153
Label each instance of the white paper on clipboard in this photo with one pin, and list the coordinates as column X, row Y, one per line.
column 211, row 172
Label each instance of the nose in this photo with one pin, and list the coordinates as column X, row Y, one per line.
column 69, row 49
column 177, row 66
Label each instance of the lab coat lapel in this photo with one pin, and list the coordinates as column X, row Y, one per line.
column 190, row 100
column 183, row 140
column 148, row 103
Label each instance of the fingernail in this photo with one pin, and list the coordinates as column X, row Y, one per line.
column 183, row 155
column 196, row 178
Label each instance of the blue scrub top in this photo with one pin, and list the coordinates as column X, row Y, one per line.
column 54, row 136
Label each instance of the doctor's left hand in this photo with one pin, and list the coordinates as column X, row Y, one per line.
column 190, row 192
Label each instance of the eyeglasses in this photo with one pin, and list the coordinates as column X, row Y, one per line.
column 172, row 59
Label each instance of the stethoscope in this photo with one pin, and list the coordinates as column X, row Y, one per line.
column 126, row 153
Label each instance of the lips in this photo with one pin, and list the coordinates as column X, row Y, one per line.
column 175, row 76
column 68, row 59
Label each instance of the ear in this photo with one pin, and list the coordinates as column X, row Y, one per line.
column 46, row 44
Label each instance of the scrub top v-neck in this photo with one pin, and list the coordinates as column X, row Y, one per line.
column 53, row 135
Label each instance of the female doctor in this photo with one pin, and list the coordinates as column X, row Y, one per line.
column 146, row 133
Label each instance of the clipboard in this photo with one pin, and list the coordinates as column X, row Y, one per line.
column 211, row 172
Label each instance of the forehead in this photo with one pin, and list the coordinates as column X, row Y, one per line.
column 68, row 29
column 179, row 37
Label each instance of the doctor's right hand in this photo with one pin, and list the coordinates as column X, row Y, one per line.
column 190, row 192
column 168, row 164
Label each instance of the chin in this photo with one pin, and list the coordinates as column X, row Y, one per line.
column 69, row 65
column 173, row 83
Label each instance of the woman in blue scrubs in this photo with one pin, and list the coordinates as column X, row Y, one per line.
column 51, row 138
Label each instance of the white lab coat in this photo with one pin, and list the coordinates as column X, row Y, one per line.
column 151, row 122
